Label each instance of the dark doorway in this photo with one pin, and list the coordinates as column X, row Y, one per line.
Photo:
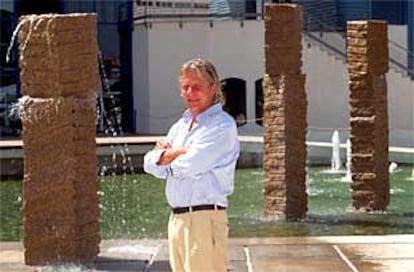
column 259, row 101
column 250, row 9
column 234, row 92
column 39, row 6
column 125, row 27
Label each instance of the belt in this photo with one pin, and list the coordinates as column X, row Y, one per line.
column 197, row 208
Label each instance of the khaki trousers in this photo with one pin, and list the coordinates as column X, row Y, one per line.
column 198, row 241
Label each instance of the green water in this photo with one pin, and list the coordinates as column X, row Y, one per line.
column 134, row 207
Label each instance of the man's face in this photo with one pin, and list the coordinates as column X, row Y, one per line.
column 197, row 92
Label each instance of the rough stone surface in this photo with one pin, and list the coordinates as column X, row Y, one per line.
column 60, row 207
column 367, row 65
column 63, row 48
column 284, row 114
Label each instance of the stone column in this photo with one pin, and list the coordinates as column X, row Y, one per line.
column 59, row 75
column 284, row 114
column 367, row 66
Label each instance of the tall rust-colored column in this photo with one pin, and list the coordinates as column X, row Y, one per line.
column 367, row 66
column 284, row 114
column 59, row 75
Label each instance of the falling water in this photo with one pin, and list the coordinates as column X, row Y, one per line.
column 115, row 212
column 412, row 175
column 348, row 177
column 336, row 156
column 392, row 167
column 109, row 122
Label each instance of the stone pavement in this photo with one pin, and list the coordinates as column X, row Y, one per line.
column 310, row 254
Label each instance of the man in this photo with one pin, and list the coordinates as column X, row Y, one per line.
column 198, row 159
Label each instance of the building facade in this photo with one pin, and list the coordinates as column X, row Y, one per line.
column 114, row 36
column 240, row 62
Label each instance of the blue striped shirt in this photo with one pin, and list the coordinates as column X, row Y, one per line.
column 205, row 174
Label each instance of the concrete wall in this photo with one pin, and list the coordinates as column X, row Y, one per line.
column 400, row 110
column 398, row 34
column 169, row 46
column 410, row 32
column 141, row 88
column 237, row 50
column 327, row 93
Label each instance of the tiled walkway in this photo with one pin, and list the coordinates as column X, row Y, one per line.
column 333, row 253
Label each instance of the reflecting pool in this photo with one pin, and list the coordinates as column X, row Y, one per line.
column 134, row 207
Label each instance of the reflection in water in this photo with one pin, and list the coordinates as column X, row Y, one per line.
column 392, row 167
column 412, row 175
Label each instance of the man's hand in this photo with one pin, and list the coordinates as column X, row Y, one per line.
column 162, row 144
column 171, row 154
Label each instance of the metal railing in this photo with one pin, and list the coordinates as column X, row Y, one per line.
column 339, row 46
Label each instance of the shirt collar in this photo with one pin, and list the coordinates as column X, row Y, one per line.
column 212, row 110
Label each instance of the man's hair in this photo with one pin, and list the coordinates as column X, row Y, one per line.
column 207, row 70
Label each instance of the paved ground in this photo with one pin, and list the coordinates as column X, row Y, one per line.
column 310, row 254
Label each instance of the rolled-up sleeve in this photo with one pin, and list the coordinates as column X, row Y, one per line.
column 151, row 164
column 218, row 147
column 152, row 158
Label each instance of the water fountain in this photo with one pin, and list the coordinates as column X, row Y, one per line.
column 58, row 120
column 336, row 163
column 80, row 244
column 393, row 167
column 412, row 175
column 336, row 152
column 244, row 213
